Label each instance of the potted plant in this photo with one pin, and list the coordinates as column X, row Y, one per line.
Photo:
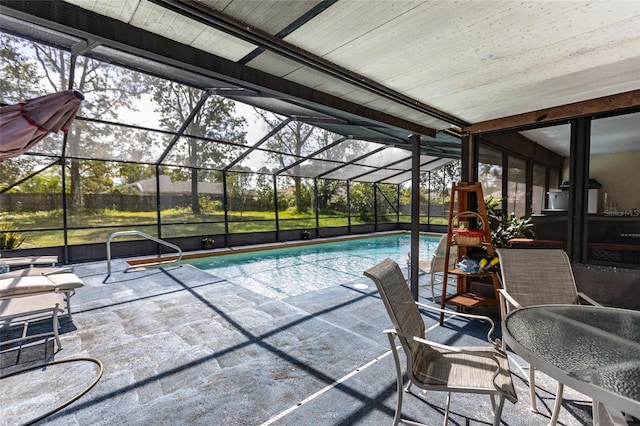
column 207, row 242
column 505, row 227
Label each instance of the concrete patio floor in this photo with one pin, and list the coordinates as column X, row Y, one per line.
column 180, row 346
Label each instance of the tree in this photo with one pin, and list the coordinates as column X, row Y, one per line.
column 111, row 92
column 442, row 178
column 19, row 81
column 348, row 149
column 127, row 174
column 387, row 199
column 327, row 188
column 289, row 141
column 361, row 197
column 295, row 139
column 239, row 188
column 31, row 69
column 264, row 188
column 108, row 89
column 211, row 126
column 18, row 74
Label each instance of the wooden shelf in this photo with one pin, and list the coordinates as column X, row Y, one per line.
column 470, row 300
column 464, row 298
column 461, row 273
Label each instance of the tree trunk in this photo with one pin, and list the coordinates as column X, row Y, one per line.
column 195, row 205
column 298, row 185
column 75, row 188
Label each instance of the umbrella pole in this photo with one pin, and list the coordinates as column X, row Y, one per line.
column 65, row 222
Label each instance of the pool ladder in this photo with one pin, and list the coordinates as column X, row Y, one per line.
column 148, row 237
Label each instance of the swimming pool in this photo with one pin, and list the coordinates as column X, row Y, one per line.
column 284, row 272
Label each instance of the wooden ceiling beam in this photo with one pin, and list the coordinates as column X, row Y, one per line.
column 578, row 109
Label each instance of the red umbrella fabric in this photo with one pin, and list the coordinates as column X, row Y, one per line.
column 25, row 124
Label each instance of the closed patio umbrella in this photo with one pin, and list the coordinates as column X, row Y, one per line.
column 26, row 123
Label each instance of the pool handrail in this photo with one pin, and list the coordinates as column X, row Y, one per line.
column 147, row 236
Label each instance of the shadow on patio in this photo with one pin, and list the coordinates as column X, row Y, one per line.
column 180, row 346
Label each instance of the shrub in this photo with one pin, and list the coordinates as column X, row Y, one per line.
column 9, row 238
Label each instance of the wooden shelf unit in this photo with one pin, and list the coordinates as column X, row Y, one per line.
column 464, row 298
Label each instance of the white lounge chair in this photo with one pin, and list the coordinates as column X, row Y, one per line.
column 28, row 308
column 37, row 271
column 22, row 261
column 37, row 280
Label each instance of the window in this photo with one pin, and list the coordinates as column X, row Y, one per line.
column 516, row 186
column 614, row 199
column 490, row 171
column 538, row 193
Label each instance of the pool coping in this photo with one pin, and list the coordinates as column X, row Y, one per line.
column 164, row 259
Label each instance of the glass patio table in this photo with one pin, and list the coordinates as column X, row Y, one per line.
column 594, row 350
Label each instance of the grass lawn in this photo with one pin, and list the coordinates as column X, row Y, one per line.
column 39, row 228
column 43, row 229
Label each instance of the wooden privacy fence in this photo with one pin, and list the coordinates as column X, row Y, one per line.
column 122, row 202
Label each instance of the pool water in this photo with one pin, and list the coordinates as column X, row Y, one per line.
column 285, row 272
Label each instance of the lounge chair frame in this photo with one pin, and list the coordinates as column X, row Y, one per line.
column 36, row 280
column 29, row 308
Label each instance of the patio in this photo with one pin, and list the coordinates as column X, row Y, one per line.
column 180, row 346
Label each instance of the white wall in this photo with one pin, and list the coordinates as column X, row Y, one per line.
column 619, row 175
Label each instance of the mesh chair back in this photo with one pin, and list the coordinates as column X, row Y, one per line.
column 398, row 300
column 440, row 253
column 538, row 276
column 442, row 246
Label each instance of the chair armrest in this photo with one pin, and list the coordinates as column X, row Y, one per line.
column 453, row 313
column 505, row 298
column 509, row 298
column 442, row 346
column 423, row 341
column 589, row 300
column 494, row 342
